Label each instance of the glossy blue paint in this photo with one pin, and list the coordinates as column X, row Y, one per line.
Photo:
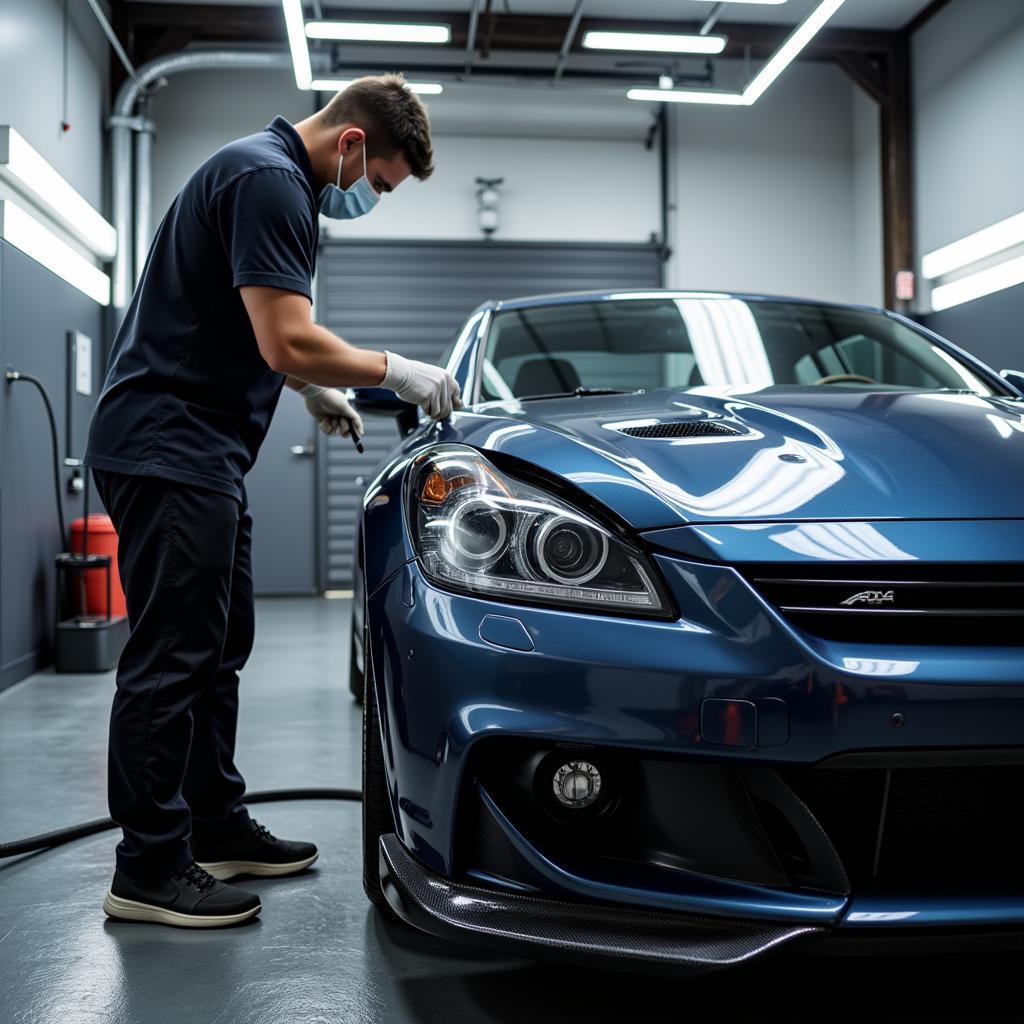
column 505, row 631
column 816, row 475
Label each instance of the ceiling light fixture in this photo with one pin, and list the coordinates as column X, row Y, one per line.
column 337, row 84
column 40, row 182
column 24, row 232
column 379, row 32
column 295, row 25
column 795, row 42
column 974, row 247
column 976, row 286
column 653, row 42
column 727, row 99
column 790, row 49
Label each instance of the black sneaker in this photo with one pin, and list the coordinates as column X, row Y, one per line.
column 192, row 898
column 256, row 852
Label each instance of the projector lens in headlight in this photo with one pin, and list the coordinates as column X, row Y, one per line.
column 478, row 530
column 569, row 552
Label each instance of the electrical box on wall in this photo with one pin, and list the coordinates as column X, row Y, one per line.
column 81, row 354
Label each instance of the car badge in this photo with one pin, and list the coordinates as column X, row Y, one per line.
column 872, row 597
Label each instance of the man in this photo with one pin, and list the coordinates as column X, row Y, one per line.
column 220, row 321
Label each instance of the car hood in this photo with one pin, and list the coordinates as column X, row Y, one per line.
column 797, row 454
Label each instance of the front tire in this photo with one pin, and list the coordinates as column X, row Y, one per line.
column 377, row 817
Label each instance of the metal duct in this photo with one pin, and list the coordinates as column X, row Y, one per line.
column 123, row 123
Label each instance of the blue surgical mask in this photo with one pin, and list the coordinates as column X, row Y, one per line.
column 348, row 203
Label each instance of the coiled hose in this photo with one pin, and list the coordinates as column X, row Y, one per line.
column 49, row 840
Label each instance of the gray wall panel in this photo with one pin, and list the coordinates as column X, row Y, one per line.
column 412, row 297
column 37, row 309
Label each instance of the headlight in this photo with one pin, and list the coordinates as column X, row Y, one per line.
column 479, row 530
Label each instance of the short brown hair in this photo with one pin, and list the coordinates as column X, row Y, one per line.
column 393, row 117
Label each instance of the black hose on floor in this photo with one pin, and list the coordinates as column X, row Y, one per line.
column 49, row 840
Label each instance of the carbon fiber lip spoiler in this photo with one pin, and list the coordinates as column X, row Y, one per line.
column 548, row 929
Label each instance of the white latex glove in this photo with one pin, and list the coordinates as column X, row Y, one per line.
column 434, row 390
column 332, row 411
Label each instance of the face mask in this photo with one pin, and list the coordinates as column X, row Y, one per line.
column 347, row 204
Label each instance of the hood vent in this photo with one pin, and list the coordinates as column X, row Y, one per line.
column 681, row 428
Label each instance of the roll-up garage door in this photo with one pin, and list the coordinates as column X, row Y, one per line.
column 412, row 297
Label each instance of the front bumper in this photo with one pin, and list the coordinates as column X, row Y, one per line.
column 586, row 933
column 450, row 687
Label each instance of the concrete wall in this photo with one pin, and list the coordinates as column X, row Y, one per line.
column 782, row 197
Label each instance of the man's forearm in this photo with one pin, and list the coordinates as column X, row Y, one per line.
column 316, row 356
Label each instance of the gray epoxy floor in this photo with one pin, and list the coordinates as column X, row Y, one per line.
column 317, row 953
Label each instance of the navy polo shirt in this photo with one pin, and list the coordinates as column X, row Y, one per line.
column 188, row 396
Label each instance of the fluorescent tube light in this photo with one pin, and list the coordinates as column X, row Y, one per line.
column 39, row 181
column 24, row 232
column 987, row 242
column 974, row 286
column 755, row 88
column 728, row 99
column 790, row 49
column 337, row 84
column 295, row 24
column 657, row 42
column 379, row 32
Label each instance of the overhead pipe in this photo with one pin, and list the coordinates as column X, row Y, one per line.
column 124, row 121
column 567, row 40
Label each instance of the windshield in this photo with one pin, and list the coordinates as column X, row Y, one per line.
column 712, row 342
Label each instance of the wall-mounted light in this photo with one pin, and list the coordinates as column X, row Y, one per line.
column 795, row 42
column 487, row 199
column 653, row 42
column 26, row 233
column 379, row 32
column 975, row 286
column 974, row 247
column 37, row 180
column 337, row 84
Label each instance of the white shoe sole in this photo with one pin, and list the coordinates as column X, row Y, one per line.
column 132, row 910
column 223, row 870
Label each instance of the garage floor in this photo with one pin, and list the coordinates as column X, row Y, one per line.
column 317, row 954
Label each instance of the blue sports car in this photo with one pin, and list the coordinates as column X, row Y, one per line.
column 696, row 634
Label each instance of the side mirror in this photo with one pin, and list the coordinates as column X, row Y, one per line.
column 1015, row 378
column 382, row 402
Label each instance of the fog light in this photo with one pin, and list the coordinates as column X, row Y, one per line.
column 576, row 784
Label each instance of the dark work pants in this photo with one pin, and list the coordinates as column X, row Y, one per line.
column 184, row 555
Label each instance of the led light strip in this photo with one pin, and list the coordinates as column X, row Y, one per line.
column 756, row 87
column 24, row 232
column 379, row 32
column 974, row 247
column 975, row 286
column 294, row 23
column 39, row 181
column 653, row 42
column 790, row 49
column 336, row 84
